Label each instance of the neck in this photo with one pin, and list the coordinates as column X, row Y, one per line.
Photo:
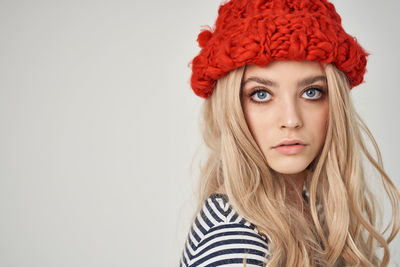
column 294, row 194
column 298, row 179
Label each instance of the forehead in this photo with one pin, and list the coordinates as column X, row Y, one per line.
column 285, row 71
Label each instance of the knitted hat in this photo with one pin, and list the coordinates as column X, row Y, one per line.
column 261, row 31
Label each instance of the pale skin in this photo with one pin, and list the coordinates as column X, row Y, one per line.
column 287, row 100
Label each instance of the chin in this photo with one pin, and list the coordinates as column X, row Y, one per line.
column 289, row 170
column 289, row 167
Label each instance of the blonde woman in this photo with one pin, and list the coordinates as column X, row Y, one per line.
column 285, row 182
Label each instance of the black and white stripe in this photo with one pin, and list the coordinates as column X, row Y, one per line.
column 219, row 236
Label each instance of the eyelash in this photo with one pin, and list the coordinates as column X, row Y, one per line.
column 256, row 90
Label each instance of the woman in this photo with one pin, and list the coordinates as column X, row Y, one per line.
column 285, row 181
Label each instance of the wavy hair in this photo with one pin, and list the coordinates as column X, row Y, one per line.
column 344, row 232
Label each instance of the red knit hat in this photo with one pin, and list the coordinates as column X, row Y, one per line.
column 261, row 31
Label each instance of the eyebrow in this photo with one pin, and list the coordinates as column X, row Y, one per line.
column 301, row 83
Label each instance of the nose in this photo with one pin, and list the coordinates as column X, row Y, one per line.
column 290, row 115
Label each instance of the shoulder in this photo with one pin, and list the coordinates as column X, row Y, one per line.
column 220, row 236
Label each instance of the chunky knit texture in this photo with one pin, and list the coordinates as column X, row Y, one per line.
column 260, row 31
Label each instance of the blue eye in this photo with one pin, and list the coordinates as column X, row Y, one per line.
column 311, row 92
column 259, row 95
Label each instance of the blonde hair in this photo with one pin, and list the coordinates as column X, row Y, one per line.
column 344, row 233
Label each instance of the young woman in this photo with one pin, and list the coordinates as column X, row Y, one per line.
column 285, row 182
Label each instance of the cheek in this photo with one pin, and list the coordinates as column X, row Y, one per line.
column 259, row 123
column 319, row 122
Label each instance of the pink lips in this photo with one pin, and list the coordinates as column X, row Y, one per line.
column 290, row 149
column 290, row 142
column 290, row 146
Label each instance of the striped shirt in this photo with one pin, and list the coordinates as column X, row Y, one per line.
column 219, row 236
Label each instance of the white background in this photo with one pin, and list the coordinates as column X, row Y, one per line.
column 99, row 125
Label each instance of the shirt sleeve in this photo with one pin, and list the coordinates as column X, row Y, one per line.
column 226, row 244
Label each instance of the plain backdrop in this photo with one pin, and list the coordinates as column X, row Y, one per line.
column 99, row 125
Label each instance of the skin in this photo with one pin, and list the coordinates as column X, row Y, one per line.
column 287, row 110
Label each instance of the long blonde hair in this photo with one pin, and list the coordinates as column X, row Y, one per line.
column 346, row 233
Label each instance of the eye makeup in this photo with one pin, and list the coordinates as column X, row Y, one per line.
column 266, row 95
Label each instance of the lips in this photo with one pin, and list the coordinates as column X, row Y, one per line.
column 290, row 142
column 290, row 149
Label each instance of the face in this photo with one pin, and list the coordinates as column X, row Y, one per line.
column 287, row 101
